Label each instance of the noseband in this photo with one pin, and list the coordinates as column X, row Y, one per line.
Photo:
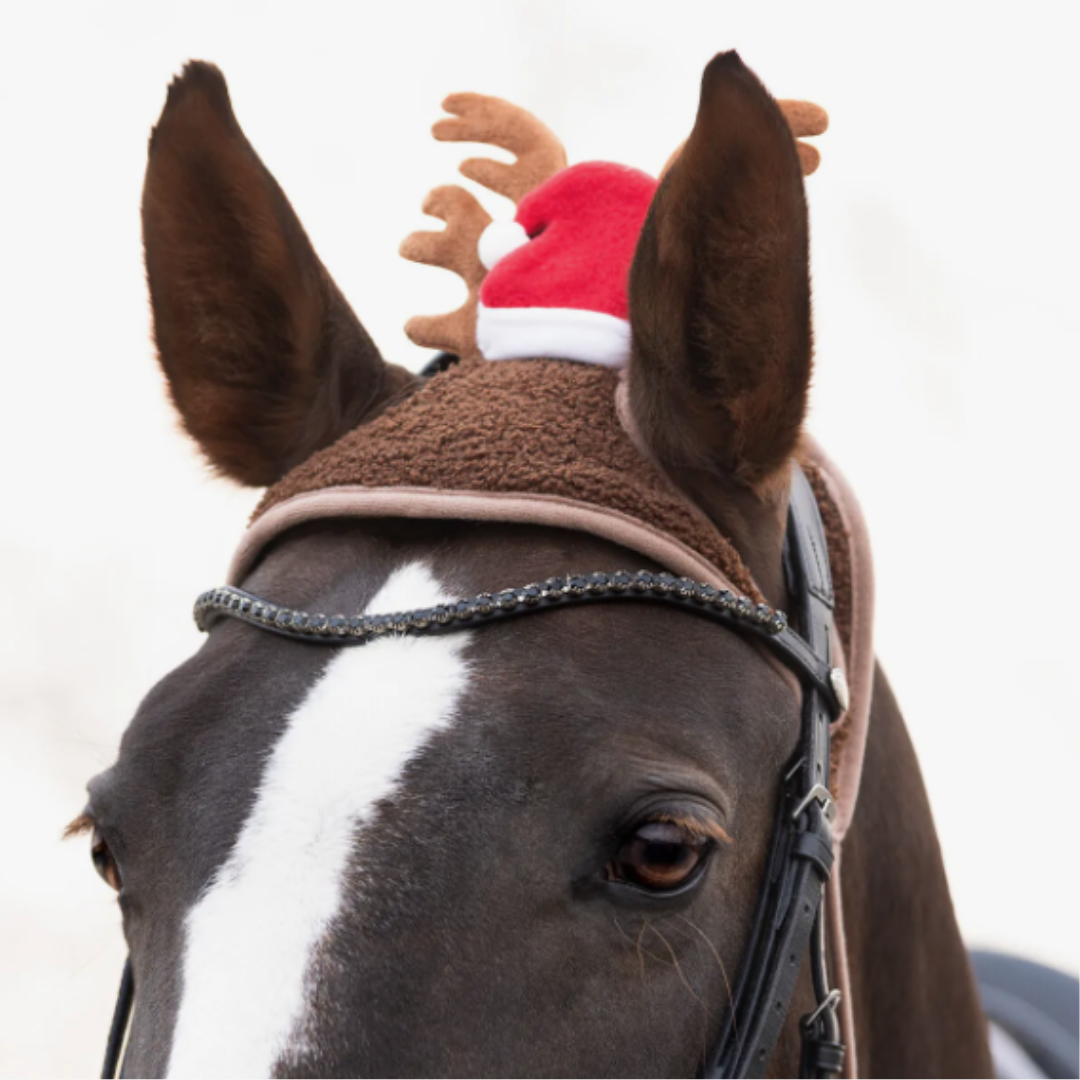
column 789, row 919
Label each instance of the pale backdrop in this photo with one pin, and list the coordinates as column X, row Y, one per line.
column 944, row 245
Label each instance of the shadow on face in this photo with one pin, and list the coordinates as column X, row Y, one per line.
column 528, row 849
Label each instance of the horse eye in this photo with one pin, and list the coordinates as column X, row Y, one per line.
column 659, row 855
column 104, row 863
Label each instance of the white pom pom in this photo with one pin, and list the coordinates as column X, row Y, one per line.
column 498, row 240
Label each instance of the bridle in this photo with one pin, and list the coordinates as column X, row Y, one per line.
column 789, row 919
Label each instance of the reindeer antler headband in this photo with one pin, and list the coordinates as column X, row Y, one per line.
column 539, row 156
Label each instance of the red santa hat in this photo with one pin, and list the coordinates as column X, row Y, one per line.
column 558, row 273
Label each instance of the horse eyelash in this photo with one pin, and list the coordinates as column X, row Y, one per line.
column 84, row 823
column 696, row 826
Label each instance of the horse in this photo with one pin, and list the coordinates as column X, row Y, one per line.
column 535, row 847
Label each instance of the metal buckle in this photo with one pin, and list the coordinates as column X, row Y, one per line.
column 830, row 1004
column 838, row 682
column 821, row 794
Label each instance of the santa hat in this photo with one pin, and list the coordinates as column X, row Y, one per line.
column 558, row 273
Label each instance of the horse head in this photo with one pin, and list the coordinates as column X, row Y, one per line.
column 533, row 847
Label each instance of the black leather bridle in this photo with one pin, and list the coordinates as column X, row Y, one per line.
column 789, row 920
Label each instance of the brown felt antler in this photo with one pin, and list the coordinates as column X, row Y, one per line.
column 454, row 248
column 539, row 154
column 805, row 120
column 491, row 120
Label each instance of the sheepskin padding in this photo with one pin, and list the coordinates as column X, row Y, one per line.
column 531, row 427
column 545, row 427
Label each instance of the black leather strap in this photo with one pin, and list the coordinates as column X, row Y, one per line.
column 118, row 1029
column 788, row 923
column 642, row 586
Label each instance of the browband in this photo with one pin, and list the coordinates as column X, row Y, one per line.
column 723, row 605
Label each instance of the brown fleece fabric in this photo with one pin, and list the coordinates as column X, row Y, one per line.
column 544, row 427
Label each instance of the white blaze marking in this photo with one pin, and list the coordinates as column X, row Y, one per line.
column 251, row 935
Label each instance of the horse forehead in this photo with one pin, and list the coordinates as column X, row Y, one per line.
column 252, row 934
column 613, row 669
column 355, row 732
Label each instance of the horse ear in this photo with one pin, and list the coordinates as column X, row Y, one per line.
column 720, row 294
column 265, row 360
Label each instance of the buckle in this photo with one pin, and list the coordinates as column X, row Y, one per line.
column 830, row 1004
column 819, row 793
column 838, row 682
column 822, row 1046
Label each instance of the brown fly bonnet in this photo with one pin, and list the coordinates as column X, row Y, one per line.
column 547, row 442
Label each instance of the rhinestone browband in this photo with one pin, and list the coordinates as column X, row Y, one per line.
column 357, row 629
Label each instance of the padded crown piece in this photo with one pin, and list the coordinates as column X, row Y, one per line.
column 544, row 428
column 530, row 427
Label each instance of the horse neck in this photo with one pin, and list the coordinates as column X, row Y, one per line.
column 917, row 1010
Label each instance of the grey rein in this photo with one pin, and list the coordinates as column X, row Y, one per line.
column 789, row 920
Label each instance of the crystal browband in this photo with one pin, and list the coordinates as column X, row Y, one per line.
column 357, row 629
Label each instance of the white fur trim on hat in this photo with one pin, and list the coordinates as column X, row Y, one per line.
column 498, row 240
column 591, row 337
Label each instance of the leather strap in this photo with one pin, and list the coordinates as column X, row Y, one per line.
column 788, row 922
column 737, row 612
column 118, row 1029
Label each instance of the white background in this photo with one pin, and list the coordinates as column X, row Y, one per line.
column 944, row 246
